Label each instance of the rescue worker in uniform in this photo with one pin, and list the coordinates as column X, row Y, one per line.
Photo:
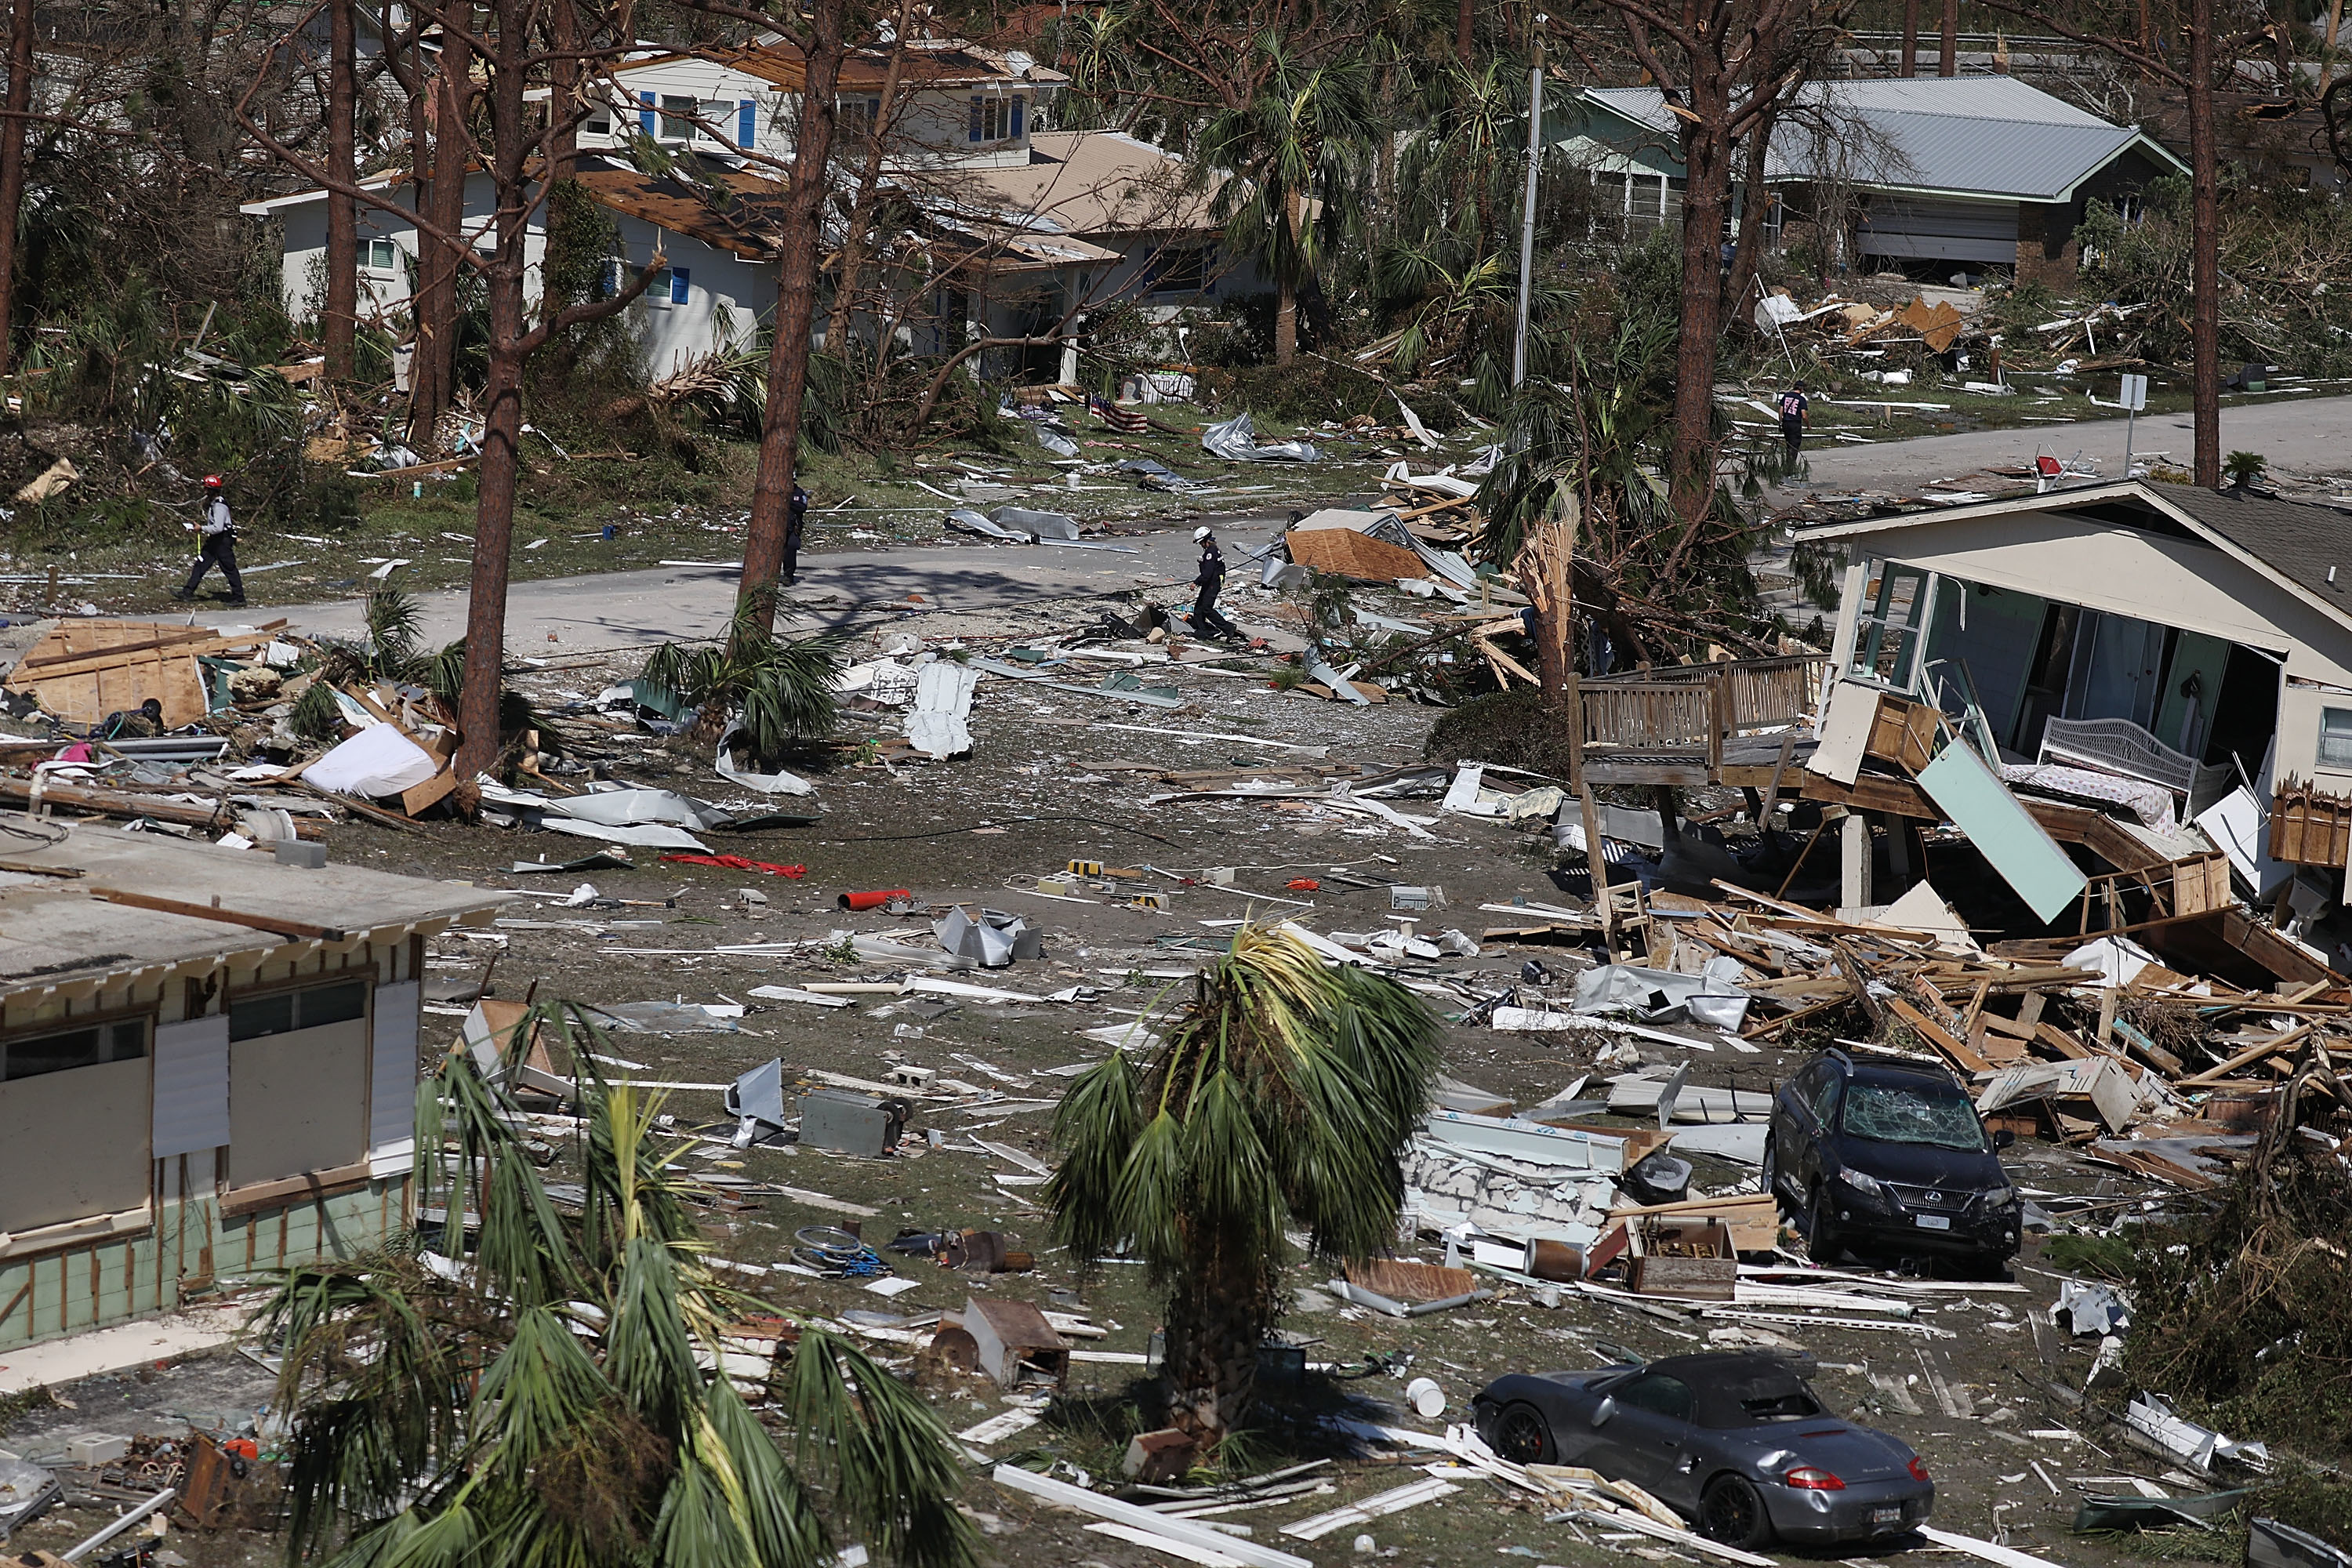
column 1206, row 621
column 218, row 532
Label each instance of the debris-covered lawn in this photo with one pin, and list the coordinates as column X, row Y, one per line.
column 1131, row 831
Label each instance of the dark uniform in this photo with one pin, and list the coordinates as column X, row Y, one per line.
column 795, row 519
column 219, row 548
column 1206, row 621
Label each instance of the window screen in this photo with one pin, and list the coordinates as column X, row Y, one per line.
column 2336, row 737
column 678, row 117
column 382, row 255
column 95, row 1045
column 282, row 1012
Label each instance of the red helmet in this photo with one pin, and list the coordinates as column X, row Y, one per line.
column 212, row 481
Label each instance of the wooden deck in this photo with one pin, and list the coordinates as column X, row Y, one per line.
column 1697, row 725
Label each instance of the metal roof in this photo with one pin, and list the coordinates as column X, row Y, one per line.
column 1992, row 137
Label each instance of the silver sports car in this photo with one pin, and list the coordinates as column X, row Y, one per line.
column 1738, row 1444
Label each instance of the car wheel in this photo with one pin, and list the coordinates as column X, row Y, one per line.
column 1523, row 1437
column 1821, row 1226
column 1730, row 1512
column 1771, row 1172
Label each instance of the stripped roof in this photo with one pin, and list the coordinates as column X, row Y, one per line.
column 60, row 932
column 742, row 214
column 926, row 63
column 1987, row 136
column 1096, row 182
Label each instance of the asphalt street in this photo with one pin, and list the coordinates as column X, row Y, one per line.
column 2303, row 436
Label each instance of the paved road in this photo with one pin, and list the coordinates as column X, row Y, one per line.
column 2302, row 436
column 640, row 609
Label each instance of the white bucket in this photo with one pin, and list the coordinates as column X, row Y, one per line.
column 1428, row 1400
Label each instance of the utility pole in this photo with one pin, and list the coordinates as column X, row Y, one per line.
column 1528, row 212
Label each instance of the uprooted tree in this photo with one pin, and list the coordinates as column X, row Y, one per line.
column 1285, row 1095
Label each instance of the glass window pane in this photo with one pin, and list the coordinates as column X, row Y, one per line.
column 129, row 1039
column 676, row 118
column 331, row 1004
column 250, row 1018
column 2336, row 737
column 54, row 1053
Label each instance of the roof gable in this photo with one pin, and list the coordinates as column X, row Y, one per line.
column 1993, row 137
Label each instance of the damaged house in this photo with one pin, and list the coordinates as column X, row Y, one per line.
column 1946, row 172
column 2150, row 665
column 208, row 1066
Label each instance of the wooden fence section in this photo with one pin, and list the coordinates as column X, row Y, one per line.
column 1696, row 708
column 2310, row 826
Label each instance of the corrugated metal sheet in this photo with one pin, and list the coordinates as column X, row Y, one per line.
column 191, row 1086
column 1949, row 231
column 1994, row 134
column 391, row 1081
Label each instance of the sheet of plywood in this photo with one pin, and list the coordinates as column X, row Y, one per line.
column 1845, row 732
column 1344, row 552
column 84, row 670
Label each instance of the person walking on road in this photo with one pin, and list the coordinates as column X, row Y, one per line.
column 1206, row 621
column 795, row 519
column 218, row 532
column 1793, row 403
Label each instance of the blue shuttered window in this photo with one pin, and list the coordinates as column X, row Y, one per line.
column 645, row 115
column 979, row 108
column 1012, row 127
column 747, row 123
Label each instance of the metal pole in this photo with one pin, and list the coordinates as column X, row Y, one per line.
column 2129, row 414
column 1528, row 214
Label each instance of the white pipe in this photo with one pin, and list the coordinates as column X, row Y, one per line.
column 152, row 1505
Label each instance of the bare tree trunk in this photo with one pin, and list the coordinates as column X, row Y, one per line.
column 1462, row 20
column 2205, row 245
column 433, row 370
column 502, row 466
column 339, row 315
column 1285, row 322
column 788, row 357
column 1910, row 38
column 13, row 134
column 853, row 244
column 1949, row 63
column 1214, row 1320
column 563, row 83
column 1706, row 200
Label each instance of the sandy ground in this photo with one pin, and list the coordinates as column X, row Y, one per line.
column 1042, row 786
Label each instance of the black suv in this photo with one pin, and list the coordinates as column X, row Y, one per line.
column 1889, row 1154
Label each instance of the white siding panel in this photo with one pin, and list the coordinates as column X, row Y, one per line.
column 392, row 1079
column 191, row 1086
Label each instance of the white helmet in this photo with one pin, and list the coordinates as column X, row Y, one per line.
column 1198, row 534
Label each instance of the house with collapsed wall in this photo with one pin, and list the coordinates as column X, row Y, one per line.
column 1017, row 229
column 1959, row 173
column 2170, row 660
column 208, row 1066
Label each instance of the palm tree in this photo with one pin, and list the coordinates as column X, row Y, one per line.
column 1284, row 1095
column 1291, row 155
column 544, row 1391
column 778, row 689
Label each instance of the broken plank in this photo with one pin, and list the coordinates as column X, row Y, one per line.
column 1207, row 1556
column 1063, row 1494
column 1396, row 1500
column 1936, row 1035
